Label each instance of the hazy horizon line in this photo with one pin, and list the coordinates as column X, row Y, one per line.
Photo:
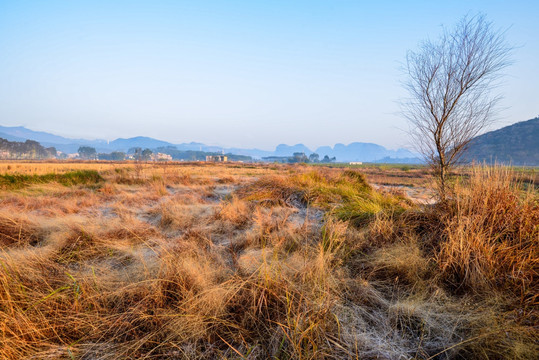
column 108, row 140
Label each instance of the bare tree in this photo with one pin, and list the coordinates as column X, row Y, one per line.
column 450, row 82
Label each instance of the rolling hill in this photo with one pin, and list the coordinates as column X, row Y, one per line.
column 516, row 144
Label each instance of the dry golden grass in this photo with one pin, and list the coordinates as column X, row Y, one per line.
column 190, row 261
column 492, row 235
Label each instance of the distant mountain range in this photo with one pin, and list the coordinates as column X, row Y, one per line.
column 356, row 151
column 20, row 133
column 516, row 144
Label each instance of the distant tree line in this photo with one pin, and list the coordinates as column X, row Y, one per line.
column 29, row 149
column 87, row 152
column 140, row 154
column 300, row 157
column 193, row 155
column 115, row 156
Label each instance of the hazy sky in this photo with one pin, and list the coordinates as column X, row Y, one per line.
column 235, row 73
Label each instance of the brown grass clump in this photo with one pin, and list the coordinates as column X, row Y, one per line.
column 271, row 191
column 235, row 211
column 402, row 262
column 491, row 235
column 182, row 217
column 17, row 230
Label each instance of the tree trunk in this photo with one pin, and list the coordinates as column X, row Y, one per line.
column 442, row 183
column 442, row 176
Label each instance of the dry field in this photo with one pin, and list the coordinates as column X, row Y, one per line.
column 238, row 261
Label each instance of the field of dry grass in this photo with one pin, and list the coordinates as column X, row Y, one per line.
column 240, row 261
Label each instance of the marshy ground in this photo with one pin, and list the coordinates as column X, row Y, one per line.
column 240, row 261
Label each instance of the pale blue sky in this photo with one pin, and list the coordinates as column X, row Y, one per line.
column 235, row 73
